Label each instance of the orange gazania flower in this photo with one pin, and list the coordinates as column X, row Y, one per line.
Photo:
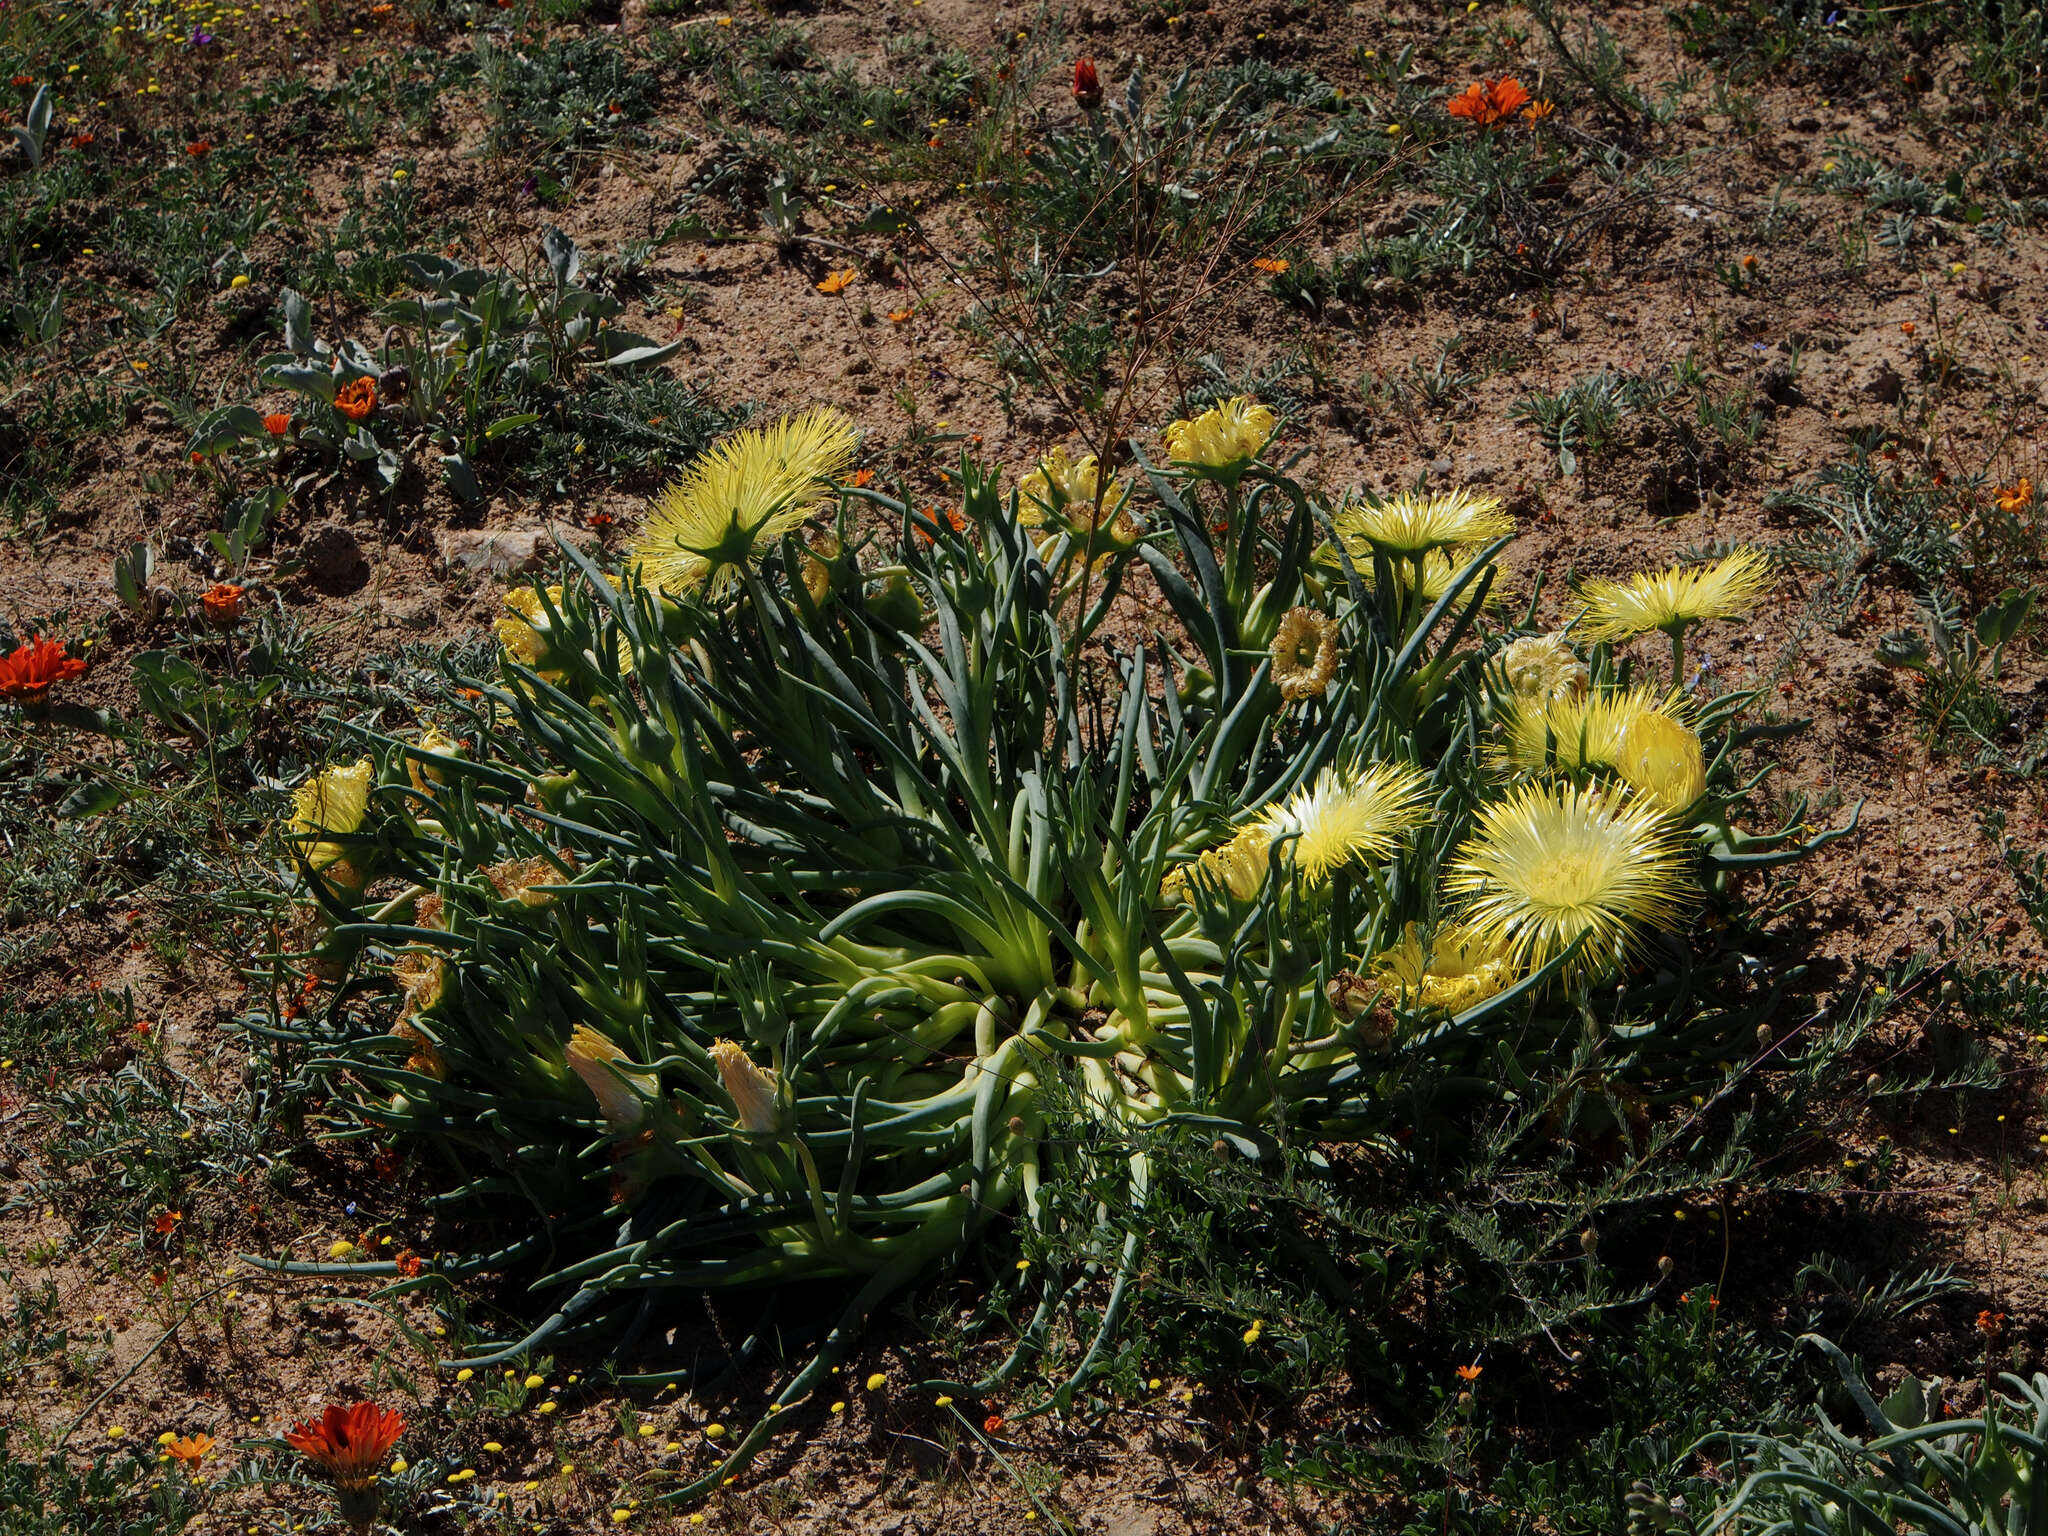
column 948, row 518
column 408, row 1264
column 992, row 1425
column 278, row 423
column 2015, row 498
column 1536, row 111
column 836, row 282
column 21, row 80
column 1087, row 84
column 199, row 149
column 167, row 1222
column 1273, row 264
column 1488, row 102
column 1469, row 1372
column 29, row 672
column 899, row 316
column 356, row 399
column 80, row 140
column 380, row 11
column 348, row 1444
column 222, row 603
column 189, row 1448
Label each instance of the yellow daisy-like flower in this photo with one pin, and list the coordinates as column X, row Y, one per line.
column 751, row 1087
column 739, row 497
column 621, row 1095
column 1673, row 598
column 1454, row 971
column 1410, row 524
column 1541, row 669
column 1224, row 439
column 332, row 803
column 1349, row 814
column 1304, row 653
column 1551, row 864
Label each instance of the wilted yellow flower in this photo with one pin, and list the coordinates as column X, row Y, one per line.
column 821, row 557
column 422, row 1055
column 433, row 743
column 524, row 634
column 1068, row 494
column 1224, row 439
column 1541, row 669
column 1550, row 864
column 621, row 1095
column 331, row 804
column 1673, row 598
column 738, row 498
column 1238, row 867
column 1349, row 814
column 752, row 1088
column 1304, row 652
column 1454, row 971
column 1410, row 524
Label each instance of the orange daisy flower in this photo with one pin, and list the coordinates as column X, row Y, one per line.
column 189, row 1448
column 29, row 672
column 1536, row 111
column 277, row 423
column 222, row 603
column 899, row 316
column 1488, row 102
column 862, row 477
column 1273, row 264
column 199, row 149
column 2013, row 499
column 348, row 1444
column 836, row 282
column 1469, row 1372
column 356, row 399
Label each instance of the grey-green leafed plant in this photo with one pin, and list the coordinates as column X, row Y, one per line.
column 787, row 910
column 1915, row 1470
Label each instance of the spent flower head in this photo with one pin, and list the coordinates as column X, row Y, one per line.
column 1304, row 653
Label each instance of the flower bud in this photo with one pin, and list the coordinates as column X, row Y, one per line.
column 1087, row 85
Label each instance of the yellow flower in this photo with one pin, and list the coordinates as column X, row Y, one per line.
column 1551, row 864
column 331, row 804
column 1454, row 971
column 738, row 498
column 1673, row 598
column 621, row 1095
column 1068, row 493
column 1541, row 669
column 535, row 1383
column 1349, row 814
column 524, row 635
column 1224, row 439
column 1237, row 867
column 433, row 743
column 1304, row 652
column 1663, row 759
column 877, row 1381
column 1576, row 731
column 1410, row 524
column 752, row 1088
column 340, row 1248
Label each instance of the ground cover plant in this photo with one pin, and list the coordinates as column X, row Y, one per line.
column 961, row 768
